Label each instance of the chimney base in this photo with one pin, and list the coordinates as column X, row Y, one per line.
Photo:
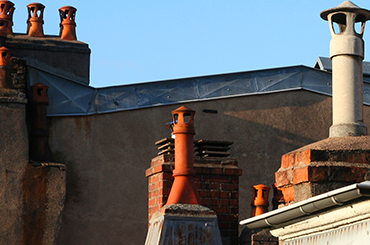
column 348, row 129
column 323, row 166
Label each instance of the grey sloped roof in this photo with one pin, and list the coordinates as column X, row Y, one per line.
column 70, row 98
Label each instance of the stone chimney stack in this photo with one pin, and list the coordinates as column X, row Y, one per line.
column 67, row 23
column 343, row 158
column 35, row 20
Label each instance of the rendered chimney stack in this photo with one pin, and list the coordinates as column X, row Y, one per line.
column 347, row 53
column 35, row 20
column 5, row 68
column 183, row 189
column 260, row 202
column 67, row 23
column 6, row 14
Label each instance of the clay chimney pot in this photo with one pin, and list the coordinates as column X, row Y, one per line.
column 260, row 202
column 35, row 20
column 39, row 93
column 5, row 59
column 183, row 189
column 67, row 23
column 6, row 14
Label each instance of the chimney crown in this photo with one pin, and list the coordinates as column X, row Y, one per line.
column 346, row 6
column 183, row 119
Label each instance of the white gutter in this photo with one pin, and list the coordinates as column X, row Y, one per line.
column 278, row 217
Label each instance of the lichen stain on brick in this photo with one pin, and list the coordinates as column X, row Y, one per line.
column 34, row 204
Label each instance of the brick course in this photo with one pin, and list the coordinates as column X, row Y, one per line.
column 322, row 166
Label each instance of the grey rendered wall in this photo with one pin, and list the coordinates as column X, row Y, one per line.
column 107, row 155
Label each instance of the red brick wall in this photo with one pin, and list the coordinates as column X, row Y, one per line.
column 309, row 172
column 217, row 181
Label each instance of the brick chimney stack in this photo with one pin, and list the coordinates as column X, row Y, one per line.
column 35, row 20
column 347, row 53
column 183, row 220
column 67, row 23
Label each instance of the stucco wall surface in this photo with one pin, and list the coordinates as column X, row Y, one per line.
column 13, row 162
column 107, row 155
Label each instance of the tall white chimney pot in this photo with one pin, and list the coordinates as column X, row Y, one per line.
column 347, row 53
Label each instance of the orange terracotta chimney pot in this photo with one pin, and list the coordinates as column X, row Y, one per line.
column 67, row 23
column 4, row 26
column 260, row 202
column 6, row 14
column 5, row 68
column 183, row 189
column 5, row 56
column 35, row 20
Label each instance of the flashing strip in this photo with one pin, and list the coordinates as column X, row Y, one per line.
column 69, row 98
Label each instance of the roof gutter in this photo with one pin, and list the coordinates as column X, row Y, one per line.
column 278, row 217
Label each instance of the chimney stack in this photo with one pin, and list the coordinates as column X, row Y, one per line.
column 35, row 20
column 6, row 14
column 67, row 23
column 183, row 220
column 347, row 53
column 339, row 160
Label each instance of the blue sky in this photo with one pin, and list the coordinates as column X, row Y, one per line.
column 141, row 41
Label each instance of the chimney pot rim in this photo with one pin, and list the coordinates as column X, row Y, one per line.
column 35, row 4
column 346, row 6
column 67, row 7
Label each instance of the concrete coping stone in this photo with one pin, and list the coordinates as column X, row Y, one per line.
column 349, row 143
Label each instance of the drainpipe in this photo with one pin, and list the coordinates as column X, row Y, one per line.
column 67, row 23
column 6, row 14
column 35, row 20
column 183, row 189
column 260, row 201
column 347, row 53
